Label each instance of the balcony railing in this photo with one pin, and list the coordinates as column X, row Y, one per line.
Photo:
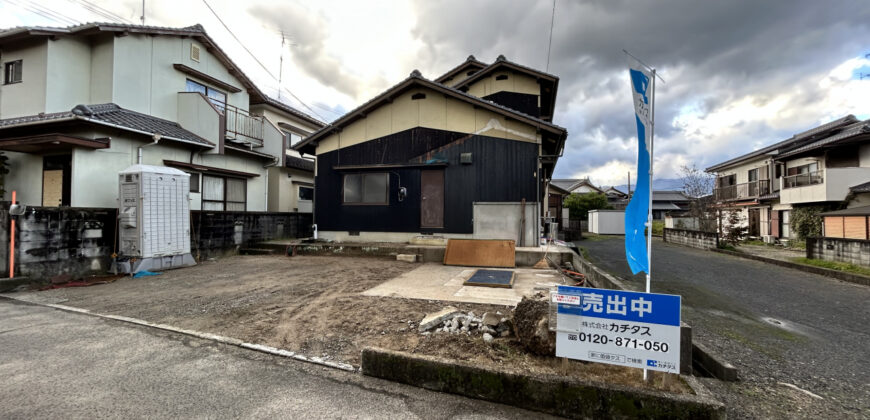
column 241, row 126
column 752, row 189
column 802, row 180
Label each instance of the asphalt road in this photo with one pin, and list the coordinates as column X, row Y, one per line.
column 776, row 325
column 56, row 364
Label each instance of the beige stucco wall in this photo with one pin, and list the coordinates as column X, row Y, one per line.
column 102, row 69
column 27, row 97
column 515, row 82
column 864, row 155
column 835, row 186
column 25, row 177
column 284, row 190
column 68, row 74
column 277, row 116
column 145, row 81
column 742, row 170
column 435, row 111
column 197, row 115
column 94, row 183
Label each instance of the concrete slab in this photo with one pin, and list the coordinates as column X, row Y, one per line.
column 433, row 281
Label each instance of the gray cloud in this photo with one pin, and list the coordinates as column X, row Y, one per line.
column 309, row 33
column 711, row 54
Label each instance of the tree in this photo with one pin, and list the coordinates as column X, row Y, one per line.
column 580, row 204
column 698, row 185
column 735, row 230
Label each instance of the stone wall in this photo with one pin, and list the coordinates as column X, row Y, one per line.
column 691, row 238
column 853, row 251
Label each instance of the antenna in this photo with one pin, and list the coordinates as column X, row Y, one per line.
column 142, row 18
column 281, row 64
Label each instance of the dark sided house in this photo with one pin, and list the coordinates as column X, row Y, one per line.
column 436, row 157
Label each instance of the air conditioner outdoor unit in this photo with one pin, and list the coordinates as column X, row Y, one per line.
column 153, row 219
column 769, row 239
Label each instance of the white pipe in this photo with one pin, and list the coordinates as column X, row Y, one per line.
column 156, row 138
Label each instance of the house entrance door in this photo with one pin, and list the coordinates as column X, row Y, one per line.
column 431, row 199
column 56, row 179
column 755, row 222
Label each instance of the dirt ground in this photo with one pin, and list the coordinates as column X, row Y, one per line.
column 312, row 305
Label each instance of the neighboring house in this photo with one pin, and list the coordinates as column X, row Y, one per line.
column 80, row 104
column 669, row 202
column 291, row 184
column 828, row 165
column 616, row 198
column 452, row 158
column 576, row 186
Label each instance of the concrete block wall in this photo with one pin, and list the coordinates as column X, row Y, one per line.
column 61, row 243
column 853, row 251
column 691, row 238
column 218, row 232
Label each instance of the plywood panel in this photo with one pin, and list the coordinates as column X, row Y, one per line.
column 855, row 227
column 52, row 188
column 480, row 253
column 834, row 227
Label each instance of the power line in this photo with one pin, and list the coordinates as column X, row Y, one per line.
column 100, row 11
column 255, row 57
column 550, row 43
column 55, row 17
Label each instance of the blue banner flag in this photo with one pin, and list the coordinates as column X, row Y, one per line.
column 636, row 214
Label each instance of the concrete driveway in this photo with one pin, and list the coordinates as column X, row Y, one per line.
column 57, row 364
column 776, row 325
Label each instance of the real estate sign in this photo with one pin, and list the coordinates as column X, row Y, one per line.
column 632, row 329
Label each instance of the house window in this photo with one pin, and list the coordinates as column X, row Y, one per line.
column 217, row 97
column 194, row 182
column 369, row 188
column 306, row 193
column 12, row 72
column 753, row 175
column 223, row 193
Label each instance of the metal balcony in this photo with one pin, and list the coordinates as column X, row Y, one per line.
column 746, row 190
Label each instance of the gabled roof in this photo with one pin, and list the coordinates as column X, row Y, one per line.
column 669, row 196
column 196, row 31
column 788, row 144
column 416, row 79
column 613, row 190
column 469, row 63
column 299, row 163
column 848, row 133
column 554, row 188
column 502, row 63
column 854, row 211
column 860, row 188
column 267, row 100
column 564, row 183
column 113, row 116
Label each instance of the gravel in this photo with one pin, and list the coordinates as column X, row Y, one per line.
column 791, row 334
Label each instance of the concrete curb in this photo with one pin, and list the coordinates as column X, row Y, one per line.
column 202, row 335
column 7, row 284
column 553, row 394
column 709, row 363
column 839, row 275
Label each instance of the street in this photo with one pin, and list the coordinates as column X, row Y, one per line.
column 776, row 325
column 56, row 364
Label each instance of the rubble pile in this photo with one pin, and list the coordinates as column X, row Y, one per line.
column 454, row 321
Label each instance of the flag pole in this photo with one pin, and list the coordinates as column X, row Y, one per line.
column 652, row 133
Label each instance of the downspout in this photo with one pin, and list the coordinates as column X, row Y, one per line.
column 156, row 138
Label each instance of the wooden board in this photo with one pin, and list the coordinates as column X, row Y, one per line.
column 481, row 253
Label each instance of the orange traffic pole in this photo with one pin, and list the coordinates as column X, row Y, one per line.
column 12, row 244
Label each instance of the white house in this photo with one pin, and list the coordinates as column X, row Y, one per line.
column 826, row 165
column 80, row 104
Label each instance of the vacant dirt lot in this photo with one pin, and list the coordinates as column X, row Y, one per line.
column 312, row 305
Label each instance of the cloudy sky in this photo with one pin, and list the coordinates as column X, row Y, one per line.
column 739, row 74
